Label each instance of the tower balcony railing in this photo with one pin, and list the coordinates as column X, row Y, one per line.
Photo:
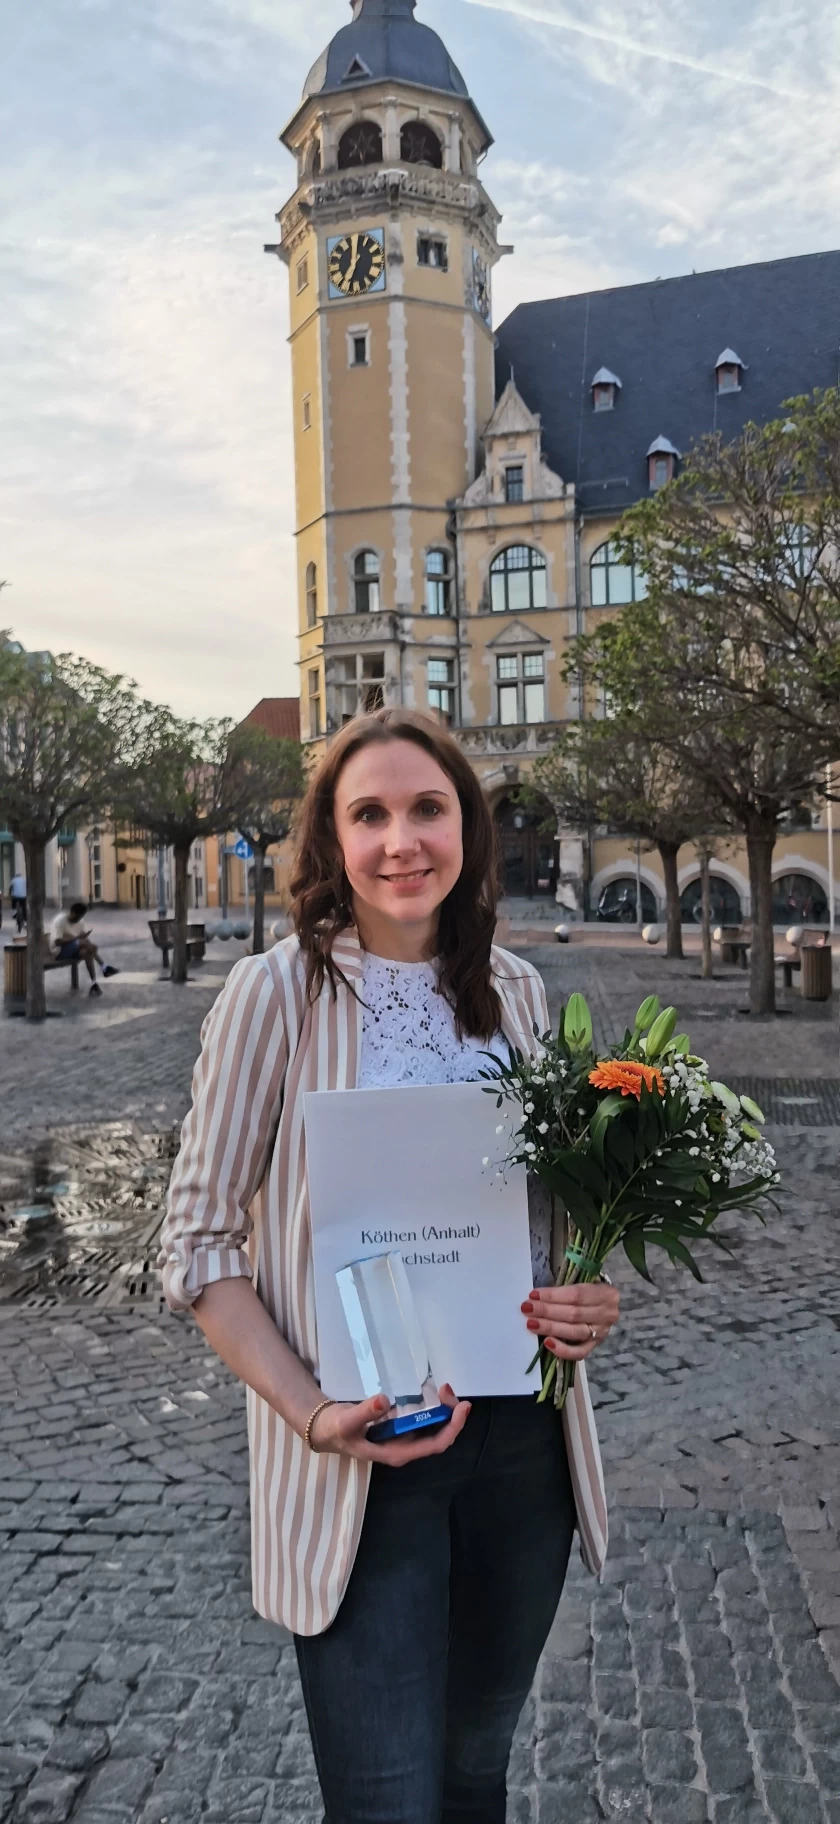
column 391, row 184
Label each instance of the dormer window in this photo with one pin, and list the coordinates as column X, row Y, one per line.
column 662, row 459
column 730, row 370
column 515, row 484
column 606, row 387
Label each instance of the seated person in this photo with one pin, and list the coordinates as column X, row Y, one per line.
column 71, row 942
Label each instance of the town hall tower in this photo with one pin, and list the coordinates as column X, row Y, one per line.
column 390, row 240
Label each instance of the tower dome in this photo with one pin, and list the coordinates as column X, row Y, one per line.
column 384, row 40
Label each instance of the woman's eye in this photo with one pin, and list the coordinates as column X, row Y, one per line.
column 370, row 814
column 430, row 808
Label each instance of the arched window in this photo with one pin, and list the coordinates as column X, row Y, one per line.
column 419, row 145
column 366, row 574
column 798, row 899
column 360, row 145
column 726, row 902
column 438, row 583
column 614, row 582
column 311, row 594
column 518, row 580
column 617, row 903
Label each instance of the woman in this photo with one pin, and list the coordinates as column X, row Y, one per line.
column 420, row 1579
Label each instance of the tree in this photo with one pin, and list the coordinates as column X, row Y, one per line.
column 612, row 772
column 182, row 783
column 273, row 775
column 686, row 676
column 63, row 722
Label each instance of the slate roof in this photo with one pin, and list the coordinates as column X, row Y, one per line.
column 388, row 41
column 663, row 339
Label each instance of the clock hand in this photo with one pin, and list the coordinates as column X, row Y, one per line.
column 354, row 245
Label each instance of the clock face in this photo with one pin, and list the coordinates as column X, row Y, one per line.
column 356, row 263
column 481, row 287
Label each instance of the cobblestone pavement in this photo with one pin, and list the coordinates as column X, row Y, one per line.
column 697, row 1682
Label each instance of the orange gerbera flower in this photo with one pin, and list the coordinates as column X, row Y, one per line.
column 627, row 1077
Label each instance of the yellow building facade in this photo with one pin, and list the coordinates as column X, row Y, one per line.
column 443, row 560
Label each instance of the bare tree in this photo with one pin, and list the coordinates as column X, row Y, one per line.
column 182, row 783
column 273, row 775
column 63, row 724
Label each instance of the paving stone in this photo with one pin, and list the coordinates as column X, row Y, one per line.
column 724, row 1747
column 76, row 1750
column 49, row 1799
column 792, row 1803
column 121, row 1782
column 678, row 1805
column 669, row 1757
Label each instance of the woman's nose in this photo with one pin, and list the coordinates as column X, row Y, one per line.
column 402, row 837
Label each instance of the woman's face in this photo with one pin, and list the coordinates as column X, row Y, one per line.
column 398, row 822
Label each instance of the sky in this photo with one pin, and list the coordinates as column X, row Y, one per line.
column 146, row 474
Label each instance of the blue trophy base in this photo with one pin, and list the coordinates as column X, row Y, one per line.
column 428, row 1418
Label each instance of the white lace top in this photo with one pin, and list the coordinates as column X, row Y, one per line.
column 409, row 1037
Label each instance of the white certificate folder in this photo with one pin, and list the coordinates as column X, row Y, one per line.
column 403, row 1170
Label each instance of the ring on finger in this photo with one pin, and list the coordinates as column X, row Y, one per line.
column 593, row 1333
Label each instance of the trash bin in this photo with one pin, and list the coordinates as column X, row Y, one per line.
column 817, row 975
column 14, row 972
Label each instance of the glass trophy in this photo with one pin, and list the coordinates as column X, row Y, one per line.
column 389, row 1346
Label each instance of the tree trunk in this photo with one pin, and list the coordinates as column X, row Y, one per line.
column 668, row 852
column 179, row 952
column 760, row 846
column 36, row 988
column 259, row 900
column 708, row 969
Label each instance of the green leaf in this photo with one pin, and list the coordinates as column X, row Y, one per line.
column 681, row 1045
column 634, row 1248
column 677, row 1251
column 577, row 1024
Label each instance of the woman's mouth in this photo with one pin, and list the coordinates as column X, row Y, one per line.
column 408, row 883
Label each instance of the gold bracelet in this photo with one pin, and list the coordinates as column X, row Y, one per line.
column 307, row 1436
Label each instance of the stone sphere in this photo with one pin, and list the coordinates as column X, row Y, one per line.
column 211, row 930
column 795, row 935
column 652, row 934
column 562, row 934
column 281, row 929
column 224, row 930
column 718, row 934
column 241, row 930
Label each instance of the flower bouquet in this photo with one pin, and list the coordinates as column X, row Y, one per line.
column 640, row 1148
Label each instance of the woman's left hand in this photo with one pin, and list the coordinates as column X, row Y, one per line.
column 572, row 1320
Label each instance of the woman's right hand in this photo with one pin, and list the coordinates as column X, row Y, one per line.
column 343, row 1430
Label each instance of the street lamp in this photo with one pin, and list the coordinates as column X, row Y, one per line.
column 161, row 881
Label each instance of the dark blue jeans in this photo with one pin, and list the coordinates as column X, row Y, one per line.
column 413, row 1695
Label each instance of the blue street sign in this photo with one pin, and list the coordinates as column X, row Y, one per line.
column 244, row 850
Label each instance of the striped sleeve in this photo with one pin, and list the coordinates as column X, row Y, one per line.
column 227, row 1138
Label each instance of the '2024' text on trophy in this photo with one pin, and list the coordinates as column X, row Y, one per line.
column 390, row 1349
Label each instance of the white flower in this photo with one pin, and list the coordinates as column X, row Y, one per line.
column 529, row 1108
column 694, row 1152
column 678, row 1203
column 716, row 1177
column 501, row 1128
column 529, row 1148
column 485, row 1161
column 543, row 1127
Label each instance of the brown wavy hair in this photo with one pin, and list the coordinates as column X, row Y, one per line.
column 321, row 900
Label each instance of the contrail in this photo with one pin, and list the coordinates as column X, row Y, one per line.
column 524, row 9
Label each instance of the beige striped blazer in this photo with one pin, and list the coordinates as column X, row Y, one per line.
column 238, row 1207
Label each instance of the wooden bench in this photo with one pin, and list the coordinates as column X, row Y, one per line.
column 163, row 937
column 14, row 971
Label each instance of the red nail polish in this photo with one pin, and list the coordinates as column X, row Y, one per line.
column 527, row 1308
column 533, row 1323
column 550, row 1345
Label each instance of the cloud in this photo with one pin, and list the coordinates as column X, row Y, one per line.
column 720, row 72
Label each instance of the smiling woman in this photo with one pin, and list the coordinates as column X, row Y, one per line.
column 404, row 1569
